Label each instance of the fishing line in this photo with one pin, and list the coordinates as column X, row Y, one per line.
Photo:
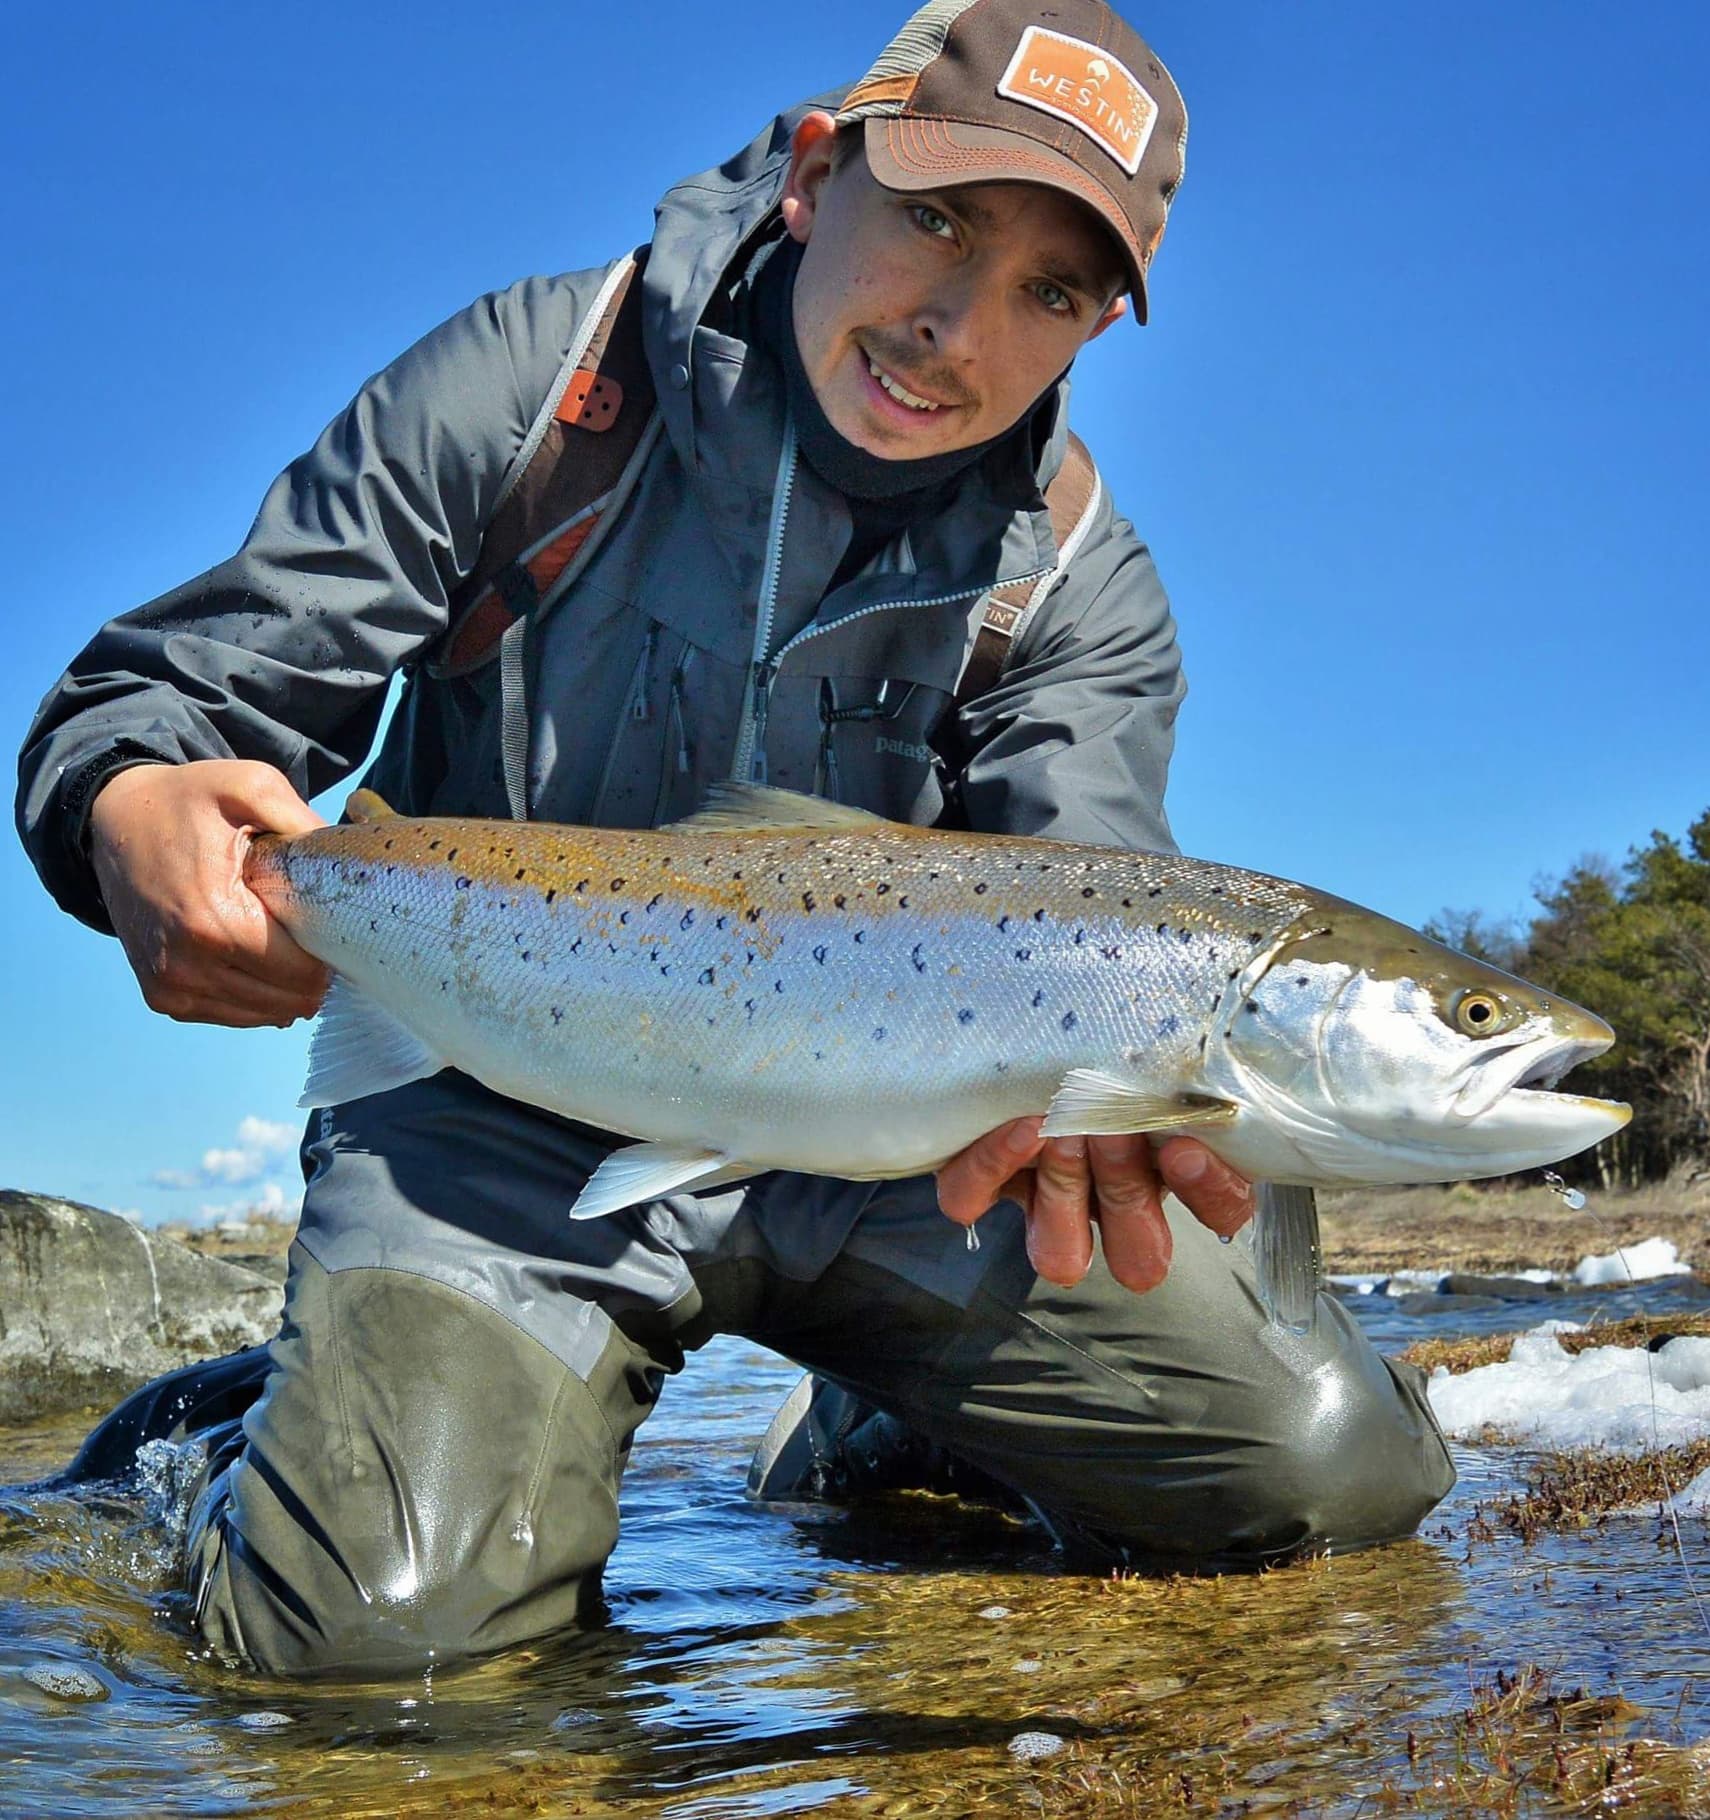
column 1576, row 1201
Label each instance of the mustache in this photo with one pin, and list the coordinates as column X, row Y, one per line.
column 935, row 382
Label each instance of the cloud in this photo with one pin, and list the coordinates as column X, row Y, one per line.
column 259, row 1142
column 269, row 1202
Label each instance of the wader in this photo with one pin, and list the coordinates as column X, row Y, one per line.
column 431, row 1466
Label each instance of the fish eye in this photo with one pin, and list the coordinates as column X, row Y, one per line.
column 1478, row 1013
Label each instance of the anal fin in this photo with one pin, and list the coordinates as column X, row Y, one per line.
column 1090, row 1101
column 359, row 1048
column 644, row 1172
column 1286, row 1254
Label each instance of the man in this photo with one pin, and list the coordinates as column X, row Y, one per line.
column 857, row 332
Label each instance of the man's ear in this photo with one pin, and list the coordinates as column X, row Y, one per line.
column 810, row 166
column 1114, row 311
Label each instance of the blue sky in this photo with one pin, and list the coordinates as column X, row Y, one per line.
column 1417, row 432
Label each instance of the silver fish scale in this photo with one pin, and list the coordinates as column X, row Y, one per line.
column 849, row 1003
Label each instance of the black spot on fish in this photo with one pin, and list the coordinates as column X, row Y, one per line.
column 522, row 872
column 445, row 985
column 882, row 889
column 1128, row 903
column 840, row 900
column 576, row 945
column 1039, row 916
column 808, row 901
column 879, row 1034
column 617, row 884
column 451, row 855
column 919, row 964
column 860, row 935
column 623, row 918
column 581, row 885
column 1202, row 1043
column 1003, row 1067
column 1111, row 954
column 1156, row 891
column 653, row 902
column 1069, row 1020
column 902, row 902
column 552, row 894
column 1080, row 938
column 463, row 883
column 819, row 955
column 373, row 925
column 981, row 889
column 611, row 947
column 706, row 976
column 819, row 1055
column 1216, row 890
column 1163, row 928
column 1185, row 934
column 1251, row 1008
column 1234, row 973
column 777, row 985
column 751, row 915
column 557, row 1015
column 964, row 1016
column 1038, row 1000
column 722, row 922
column 1303, row 981
column 525, row 953
column 1168, row 1026
column 1024, row 954
column 1088, row 891
column 687, row 920
column 388, row 846
column 1257, row 936
column 1003, row 924
column 783, row 878
column 433, row 846
column 748, row 1006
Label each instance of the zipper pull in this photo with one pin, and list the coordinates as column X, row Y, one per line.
column 763, row 674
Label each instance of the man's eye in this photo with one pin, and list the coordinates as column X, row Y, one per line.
column 935, row 223
column 1055, row 299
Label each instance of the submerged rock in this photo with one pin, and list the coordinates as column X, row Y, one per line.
column 66, row 1681
column 91, row 1306
column 1033, row 1747
column 1504, row 1288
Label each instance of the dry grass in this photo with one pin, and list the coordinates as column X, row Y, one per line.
column 1496, row 1228
column 1494, row 1348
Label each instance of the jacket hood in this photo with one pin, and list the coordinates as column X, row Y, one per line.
column 707, row 231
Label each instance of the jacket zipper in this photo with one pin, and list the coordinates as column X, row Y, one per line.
column 750, row 762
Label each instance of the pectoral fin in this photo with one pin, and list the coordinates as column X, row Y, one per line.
column 1093, row 1102
column 644, row 1172
column 1286, row 1255
column 358, row 1049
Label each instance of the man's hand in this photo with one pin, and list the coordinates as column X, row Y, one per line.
column 168, row 844
column 1065, row 1184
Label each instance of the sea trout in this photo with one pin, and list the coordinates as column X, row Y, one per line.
column 784, row 983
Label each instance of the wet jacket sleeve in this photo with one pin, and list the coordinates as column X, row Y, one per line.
column 1074, row 740
column 282, row 652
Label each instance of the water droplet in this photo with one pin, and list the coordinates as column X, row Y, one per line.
column 973, row 1238
column 1226, row 1238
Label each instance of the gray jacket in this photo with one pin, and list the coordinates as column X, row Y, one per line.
column 700, row 641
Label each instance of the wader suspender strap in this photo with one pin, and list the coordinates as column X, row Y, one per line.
column 579, row 461
column 1070, row 497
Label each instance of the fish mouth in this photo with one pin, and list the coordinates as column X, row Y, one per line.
column 1534, row 1068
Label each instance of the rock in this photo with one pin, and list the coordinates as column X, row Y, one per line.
column 1505, row 1289
column 1031, row 1747
column 1435, row 1302
column 92, row 1306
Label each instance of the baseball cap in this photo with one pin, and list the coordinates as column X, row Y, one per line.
column 1012, row 91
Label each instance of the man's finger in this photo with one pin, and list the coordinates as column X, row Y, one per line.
column 1130, row 1212
column 1059, row 1223
column 1215, row 1194
column 973, row 1182
column 226, row 995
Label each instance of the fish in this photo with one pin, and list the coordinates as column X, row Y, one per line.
column 783, row 983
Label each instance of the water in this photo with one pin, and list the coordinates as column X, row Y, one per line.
column 770, row 1660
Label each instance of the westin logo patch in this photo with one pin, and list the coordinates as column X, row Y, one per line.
column 1085, row 86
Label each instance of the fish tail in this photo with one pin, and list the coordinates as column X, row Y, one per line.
column 1287, row 1255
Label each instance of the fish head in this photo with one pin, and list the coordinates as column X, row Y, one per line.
column 1388, row 1057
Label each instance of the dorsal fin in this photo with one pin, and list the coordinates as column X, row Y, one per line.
column 764, row 806
column 368, row 806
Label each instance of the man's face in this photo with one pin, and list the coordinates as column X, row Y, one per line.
column 931, row 321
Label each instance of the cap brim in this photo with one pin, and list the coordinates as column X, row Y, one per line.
column 910, row 154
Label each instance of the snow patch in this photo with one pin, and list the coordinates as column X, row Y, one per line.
column 1649, row 1258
